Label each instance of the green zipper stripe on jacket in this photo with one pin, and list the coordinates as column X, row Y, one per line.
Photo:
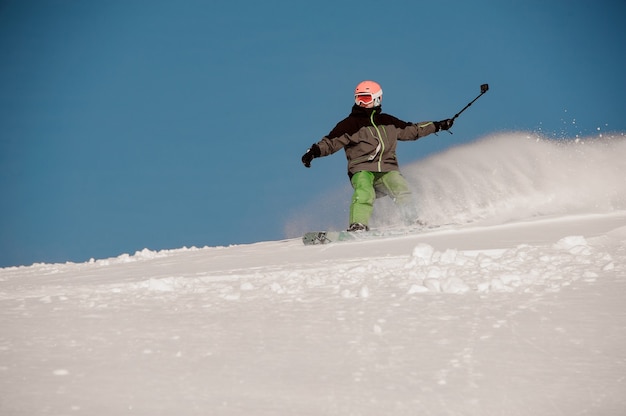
column 380, row 139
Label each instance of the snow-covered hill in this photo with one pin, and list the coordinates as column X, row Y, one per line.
column 501, row 316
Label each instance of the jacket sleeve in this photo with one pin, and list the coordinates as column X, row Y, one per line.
column 415, row 131
column 328, row 145
column 338, row 138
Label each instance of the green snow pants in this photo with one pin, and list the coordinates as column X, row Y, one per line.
column 367, row 185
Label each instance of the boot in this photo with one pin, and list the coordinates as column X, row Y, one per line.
column 358, row 227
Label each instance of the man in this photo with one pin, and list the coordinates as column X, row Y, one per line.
column 369, row 138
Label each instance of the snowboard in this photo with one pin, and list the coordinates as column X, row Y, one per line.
column 327, row 237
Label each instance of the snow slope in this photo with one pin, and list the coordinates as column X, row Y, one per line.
column 510, row 314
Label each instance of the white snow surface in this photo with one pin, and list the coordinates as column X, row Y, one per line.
column 507, row 314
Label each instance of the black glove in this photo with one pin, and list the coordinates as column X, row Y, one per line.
column 444, row 124
column 310, row 154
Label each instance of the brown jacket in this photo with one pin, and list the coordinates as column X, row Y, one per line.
column 369, row 138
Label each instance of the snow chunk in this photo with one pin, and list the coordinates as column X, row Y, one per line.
column 161, row 285
column 416, row 289
column 422, row 255
column 434, row 285
column 61, row 372
column 146, row 254
column 574, row 244
column 454, row 285
column 448, row 257
column 506, row 270
column 608, row 266
column 364, row 292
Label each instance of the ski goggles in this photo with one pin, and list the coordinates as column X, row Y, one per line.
column 363, row 98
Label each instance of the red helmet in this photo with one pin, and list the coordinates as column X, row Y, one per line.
column 368, row 94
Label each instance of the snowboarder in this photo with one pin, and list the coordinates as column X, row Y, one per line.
column 369, row 138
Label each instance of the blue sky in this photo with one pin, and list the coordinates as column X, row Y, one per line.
column 158, row 124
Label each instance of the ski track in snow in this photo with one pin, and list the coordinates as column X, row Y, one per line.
column 521, row 316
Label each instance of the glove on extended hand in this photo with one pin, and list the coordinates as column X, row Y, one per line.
column 310, row 154
column 444, row 124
